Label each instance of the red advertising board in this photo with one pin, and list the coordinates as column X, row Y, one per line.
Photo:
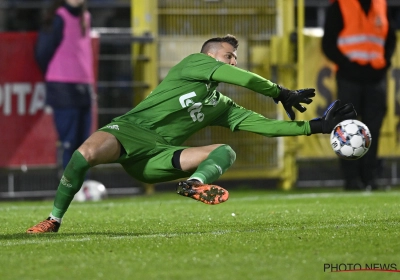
column 27, row 132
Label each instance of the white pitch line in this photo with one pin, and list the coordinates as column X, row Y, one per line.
column 172, row 235
column 156, row 235
column 184, row 200
column 28, row 242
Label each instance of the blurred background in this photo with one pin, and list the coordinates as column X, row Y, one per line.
column 137, row 42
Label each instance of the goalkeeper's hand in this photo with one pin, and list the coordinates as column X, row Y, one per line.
column 293, row 98
column 334, row 114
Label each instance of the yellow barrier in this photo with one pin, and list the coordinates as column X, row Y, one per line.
column 145, row 23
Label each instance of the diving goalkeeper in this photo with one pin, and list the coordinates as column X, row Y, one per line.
column 147, row 141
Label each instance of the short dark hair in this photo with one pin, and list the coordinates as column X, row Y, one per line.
column 215, row 42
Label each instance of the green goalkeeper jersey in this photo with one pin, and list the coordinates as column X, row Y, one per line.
column 187, row 101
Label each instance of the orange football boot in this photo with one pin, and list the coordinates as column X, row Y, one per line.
column 45, row 226
column 208, row 194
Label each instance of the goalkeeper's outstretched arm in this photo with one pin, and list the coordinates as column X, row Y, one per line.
column 288, row 98
column 237, row 76
column 335, row 113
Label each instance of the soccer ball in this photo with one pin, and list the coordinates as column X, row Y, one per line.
column 91, row 190
column 350, row 139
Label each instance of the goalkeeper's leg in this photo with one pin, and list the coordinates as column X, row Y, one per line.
column 101, row 147
column 211, row 162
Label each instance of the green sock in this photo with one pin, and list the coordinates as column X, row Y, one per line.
column 217, row 162
column 70, row 183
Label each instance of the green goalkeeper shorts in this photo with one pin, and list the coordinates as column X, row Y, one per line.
column 148, row 156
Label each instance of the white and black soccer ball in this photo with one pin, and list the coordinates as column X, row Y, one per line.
column 350, row 139
column 91, row 190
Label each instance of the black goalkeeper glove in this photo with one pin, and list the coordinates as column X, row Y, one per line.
column 293, row 98
column 334, row 114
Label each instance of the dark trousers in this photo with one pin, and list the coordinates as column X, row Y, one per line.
column 369, row 100
column 73, row 127
column 71, row 104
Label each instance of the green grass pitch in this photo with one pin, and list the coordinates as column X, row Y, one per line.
column 254, row 235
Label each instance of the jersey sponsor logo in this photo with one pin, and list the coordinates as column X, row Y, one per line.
column 194, row 109
column 185, row 99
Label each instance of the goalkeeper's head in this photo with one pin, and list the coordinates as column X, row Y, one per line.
column 222, row 49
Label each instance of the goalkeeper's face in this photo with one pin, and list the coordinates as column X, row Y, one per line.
column 225, row 53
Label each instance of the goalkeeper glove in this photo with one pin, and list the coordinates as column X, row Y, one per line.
column 293, row 98
column 333, row 115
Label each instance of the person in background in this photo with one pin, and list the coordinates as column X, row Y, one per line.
column 64, row 54
column 360, row 39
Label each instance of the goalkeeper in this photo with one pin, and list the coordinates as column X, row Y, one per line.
column 147, row 141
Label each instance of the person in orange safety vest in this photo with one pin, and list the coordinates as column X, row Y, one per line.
column 360, row 39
